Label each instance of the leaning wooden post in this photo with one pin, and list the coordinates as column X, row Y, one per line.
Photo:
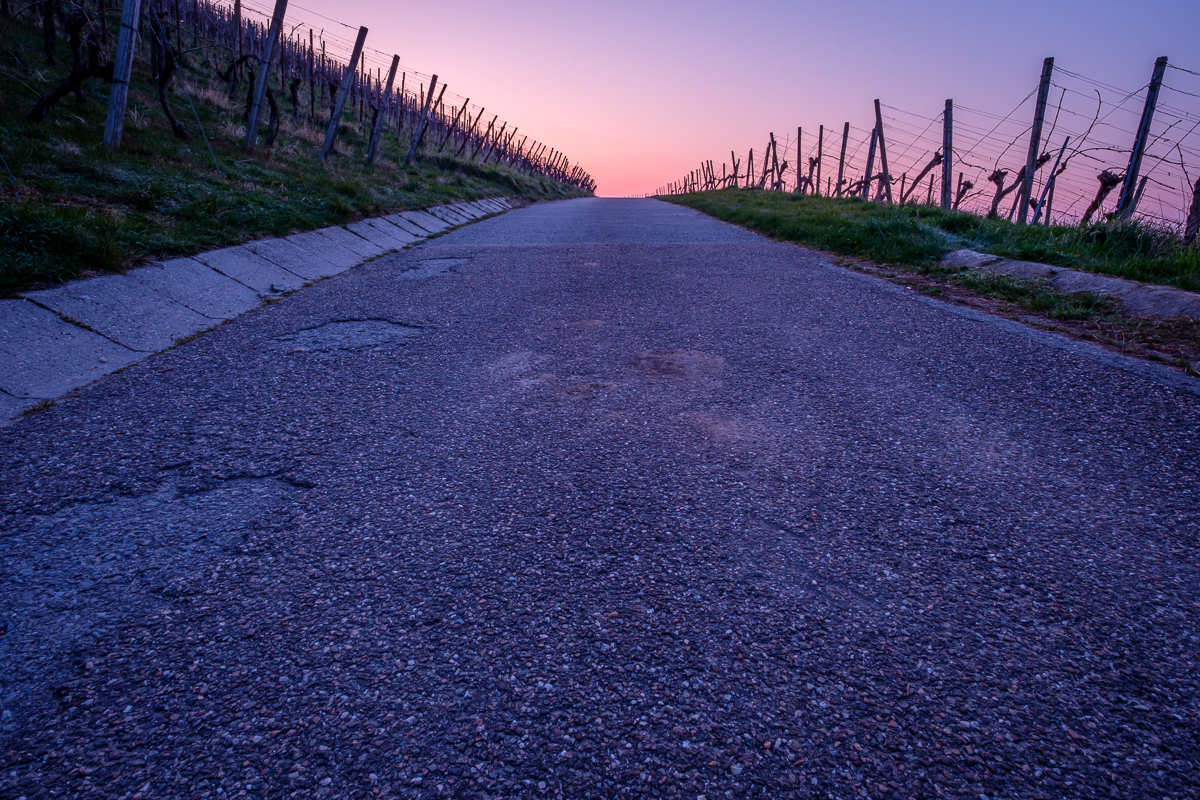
column 264, row 72
column 343, row 93
column 468, row 133
column 122, row 67
column 420, row 131
column 820, row 148
column 1192, row 227
column 1126, row 204
column 1035, row 142
column 1037, row 211
column 454, row 125
column 842, row 158
column 866, row 185
column 384, row 100
column 947, row 153
column 887, row 177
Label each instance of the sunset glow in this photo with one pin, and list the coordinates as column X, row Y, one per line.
column 639, row 93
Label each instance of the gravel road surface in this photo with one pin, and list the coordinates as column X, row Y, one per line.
column 597, row 499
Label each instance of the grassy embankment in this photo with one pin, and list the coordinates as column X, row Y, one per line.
column 918, row 236
column 79, row 208
column 881, row 238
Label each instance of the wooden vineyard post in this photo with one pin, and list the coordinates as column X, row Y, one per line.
column 1192, row 227
column 469, row 132
column 799, row 161
column 883, row 165
column 487, row 135
column 502, row 149
column 1035, row 142
column 842, row 159
column 264, row 72
column 866, row 186
column 947, row 153
column 1037, row 211
column 312, row 80
column 1126, row 203
column 419, row 133
column 343, row 92
column 820, row 147
column 454, row 125
column 237, row 46
column 122, row 67
column 377, row 129
column 776, row 176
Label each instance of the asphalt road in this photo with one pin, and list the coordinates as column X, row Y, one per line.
column 603, row 498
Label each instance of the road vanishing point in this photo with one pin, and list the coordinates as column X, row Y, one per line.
column 605, row 499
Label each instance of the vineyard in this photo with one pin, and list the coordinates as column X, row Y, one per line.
column 1074, row 151
column 223, row 122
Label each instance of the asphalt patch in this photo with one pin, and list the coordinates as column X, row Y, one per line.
column 352, row 334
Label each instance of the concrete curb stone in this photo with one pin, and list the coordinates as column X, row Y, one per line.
column 395, row 231
column 11, row 406
column 450, row 217
column 338, row 257
column 200, row 288
column 244, row 266
column 406, row 225
column 472, row 210
column 376, row 235
column 351, row 241
column 1140, row 298
column 126, row 311
column 44, row 356
column 425, row 221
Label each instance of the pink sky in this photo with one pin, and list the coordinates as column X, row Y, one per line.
column 640, row 92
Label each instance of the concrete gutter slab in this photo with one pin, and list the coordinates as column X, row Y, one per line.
column 478, row 208
column 1138, row 298
column 405, row 225
column 327, row 256
column 425, row 221
column 467, row 210
column 127, row 311
column 1068, row 280
column 252, row 270
column 375, row 235
column 968, row 259
column 352, row 242
column 394, row 231
column 452, row 217
column 1162, row 301
column 286, row 254
column 44, row 356
column 1021, row 269
column 465, row 214
column 11, row 407
column 200, row 288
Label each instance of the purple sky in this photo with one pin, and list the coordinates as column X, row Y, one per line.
column 640, row 92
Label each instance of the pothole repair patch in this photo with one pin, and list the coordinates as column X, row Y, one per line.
column 351, row 334
column 432, row 267
column 685, row 364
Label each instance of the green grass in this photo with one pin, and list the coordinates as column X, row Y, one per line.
column 82, row 208
column 1036, row 294
column 918, row 236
